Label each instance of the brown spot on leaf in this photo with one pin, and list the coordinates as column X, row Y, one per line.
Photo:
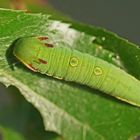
column 18, row 4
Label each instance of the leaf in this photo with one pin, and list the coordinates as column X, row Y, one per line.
column 6, row 134
column 19, row 120
column 73, row 111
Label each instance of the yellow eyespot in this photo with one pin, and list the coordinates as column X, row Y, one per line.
column 74, row 61
column 98, row 71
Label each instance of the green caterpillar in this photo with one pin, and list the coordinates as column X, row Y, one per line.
column 72, row 65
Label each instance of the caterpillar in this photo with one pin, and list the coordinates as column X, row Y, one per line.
column 72, row 65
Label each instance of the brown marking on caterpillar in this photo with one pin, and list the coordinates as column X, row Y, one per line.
column 30, row 66
column 49, row 45
column 42, row 61
column 43, row 38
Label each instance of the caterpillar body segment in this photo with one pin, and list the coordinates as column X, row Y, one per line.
column 72, row 65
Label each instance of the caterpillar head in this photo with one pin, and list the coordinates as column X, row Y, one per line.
column 27, row 49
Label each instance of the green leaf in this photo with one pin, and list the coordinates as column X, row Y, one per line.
column 19, row 120
column 73, row 111
column 9, row 134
